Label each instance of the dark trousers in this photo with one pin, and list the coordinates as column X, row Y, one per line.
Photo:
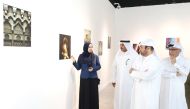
column 88, row 95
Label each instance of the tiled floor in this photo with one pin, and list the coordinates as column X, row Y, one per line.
column 106, row 97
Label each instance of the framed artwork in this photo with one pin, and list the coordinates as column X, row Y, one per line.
column 109, row 42
column 87, row 36
column 100, row 47
column 171, row 41
column 17, row 26
column 64, row 46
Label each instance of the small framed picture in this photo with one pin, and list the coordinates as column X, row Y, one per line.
column 171, row 41
column 64, row 46
column 109, row 42
column 87, row 36
column 100, row 47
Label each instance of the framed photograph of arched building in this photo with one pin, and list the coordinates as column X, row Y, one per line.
column 64, row 46
column 17, row 26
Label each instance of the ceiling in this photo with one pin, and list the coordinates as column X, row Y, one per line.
column 135, row 3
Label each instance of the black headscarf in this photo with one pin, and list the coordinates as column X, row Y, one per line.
column 85, row 50
column 88, row 58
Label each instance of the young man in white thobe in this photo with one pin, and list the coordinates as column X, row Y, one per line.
column 174, row 75
column 121, row 79
column 146, row 74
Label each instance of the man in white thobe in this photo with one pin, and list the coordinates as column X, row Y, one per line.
column 121, row 79
column 146, row 74
column 174, row 75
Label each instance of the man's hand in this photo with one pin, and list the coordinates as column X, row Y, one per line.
column 178, row 74
column 73, row 59
column 90, row 69
column 130, row 71
column 113, row 84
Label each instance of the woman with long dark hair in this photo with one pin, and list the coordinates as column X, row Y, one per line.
column 89, row 64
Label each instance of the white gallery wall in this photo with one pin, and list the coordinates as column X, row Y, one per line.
column 34, row 77
column 155, row 22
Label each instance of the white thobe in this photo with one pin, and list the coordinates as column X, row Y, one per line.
column 146, row 88
column 172, row 93
column 124, row 82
